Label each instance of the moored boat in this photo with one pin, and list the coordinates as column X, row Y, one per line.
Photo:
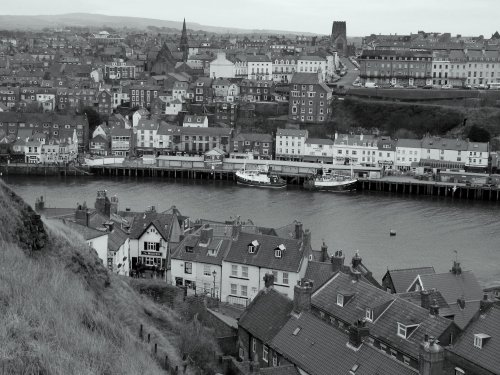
column 327, row 181
column 260, row 177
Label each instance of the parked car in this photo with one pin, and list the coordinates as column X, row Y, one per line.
column 397, row 86
column 371, row 85
column 467, row 87
column 428, row 87
column 447, row 87
column 482, row 86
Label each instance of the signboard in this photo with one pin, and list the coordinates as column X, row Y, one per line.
column 154, row 253
column 385, row 162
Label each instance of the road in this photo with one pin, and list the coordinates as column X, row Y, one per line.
column 351, row 75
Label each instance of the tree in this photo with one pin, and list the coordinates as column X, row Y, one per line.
column 93, row 118
column 477, row 134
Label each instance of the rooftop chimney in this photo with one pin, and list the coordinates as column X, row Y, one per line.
column 485, row 304
column 206, row 235
column 430, row 358
column 356, row 260
column 302, row 295
column 338, row 260
column 298, row 230
column 357, row 332
column 425, row 299
column 114, row 205
column 456, row 269
column 434, row 308
column 236, row 230
column 306, row 242
column 268, row 281
column 356, row 275
column 324, row 252
column 102, row 203
column 82, row 215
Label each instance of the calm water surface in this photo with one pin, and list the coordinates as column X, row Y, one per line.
column 428, row 229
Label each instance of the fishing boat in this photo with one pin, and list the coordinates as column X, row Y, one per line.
column 328, row 181
column 260, row 177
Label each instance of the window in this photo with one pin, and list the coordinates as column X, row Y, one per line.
column 244, row 290
column 206, row 270
column 369, row 314
column 265, row 353
column 340, row 299
column 275, row 359
column 285, row 277
column 480, row 339
column 151, row 246
column 394, row 353
column 406, row 360
column 188, row 267
column 234, row 289
column 459, row 371
column 234, row 270
column 244, row 271
column 254, row 345
column 405, row 331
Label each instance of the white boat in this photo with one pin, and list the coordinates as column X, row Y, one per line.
column 328, row 181
column 260, row 177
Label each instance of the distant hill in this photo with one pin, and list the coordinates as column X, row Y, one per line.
column 10, row 22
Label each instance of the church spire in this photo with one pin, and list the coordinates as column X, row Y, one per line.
column 184, row 45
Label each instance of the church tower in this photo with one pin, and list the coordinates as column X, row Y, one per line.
column 184, row 45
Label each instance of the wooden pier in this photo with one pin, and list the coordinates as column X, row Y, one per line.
column 458, row 191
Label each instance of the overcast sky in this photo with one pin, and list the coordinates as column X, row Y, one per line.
column 363, row 17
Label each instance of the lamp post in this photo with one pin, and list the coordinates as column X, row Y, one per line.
column 214, row 274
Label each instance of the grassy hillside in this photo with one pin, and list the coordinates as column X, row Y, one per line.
column 61, row 312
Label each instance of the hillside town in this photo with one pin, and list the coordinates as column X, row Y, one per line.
column 293, row 309
column 67, row 94
column 189, row 101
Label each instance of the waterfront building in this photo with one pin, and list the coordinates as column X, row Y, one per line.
column 121, row 141
column 444, row 151
column 152, row 236
column 411, row 68
column 194, row 140
column 477, row 155
column 290, row 144
column 260, row 146
column 196, row 263
column 356, row 149
column 408, row 153
column 253, row 255
column 100, row 145
column 386, row 155
column 319, row 150
column 145, row 136
column 163, row 142
column 310, row 98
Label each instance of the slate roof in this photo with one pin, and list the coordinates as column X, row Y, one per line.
column 444, row 143
column 162, row 222
column 411, row 143
column 320, row 349
column 319, row 273
column 87, row 233
column 486, row 357
column 403, row 278
column 264, row 257
column 266, row 314
column 389, row 310
column 120, row 132
column 200, row 252
column 454, row 286
column 116, row 238
column 319, row 141
column 255, row 137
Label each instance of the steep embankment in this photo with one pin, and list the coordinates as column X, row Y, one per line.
column 61, row 312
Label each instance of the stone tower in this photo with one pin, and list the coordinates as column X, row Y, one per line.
column 339, row 37
column 184, row 45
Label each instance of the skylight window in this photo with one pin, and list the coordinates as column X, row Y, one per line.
column 296, row 331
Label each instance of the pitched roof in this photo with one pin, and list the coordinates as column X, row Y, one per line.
column 486, row 357
column 454, row 286
column 291, row 132
column 403, row 278
column 319, row 273
column 319, row 348
column 319, row 141
column 87, row 233
column 280, row 370
column 264, row 256
column 142, row 221
column 116, row 238
column 266, row 314
column 305, row 78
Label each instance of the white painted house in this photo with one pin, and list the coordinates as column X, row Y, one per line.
column 252, row 256
column 290, row 144
column 221, row 67
column 356, row 149
column 194, row 121
column 408, row 151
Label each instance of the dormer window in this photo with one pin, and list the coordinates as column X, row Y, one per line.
column 253, row 247
column 189, row 249
column 369, row 314
column 405, row 331
column 480, row 339
column 278, row 252
column 340, row 299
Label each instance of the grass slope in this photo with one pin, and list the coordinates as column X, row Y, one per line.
column 61, row 312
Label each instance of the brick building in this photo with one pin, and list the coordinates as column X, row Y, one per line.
column 309, row 99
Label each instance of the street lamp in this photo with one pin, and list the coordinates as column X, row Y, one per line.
column 214, row 274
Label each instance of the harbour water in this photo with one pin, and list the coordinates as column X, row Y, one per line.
column 428, row 229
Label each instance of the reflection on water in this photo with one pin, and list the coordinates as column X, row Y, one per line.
column 428, row 229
